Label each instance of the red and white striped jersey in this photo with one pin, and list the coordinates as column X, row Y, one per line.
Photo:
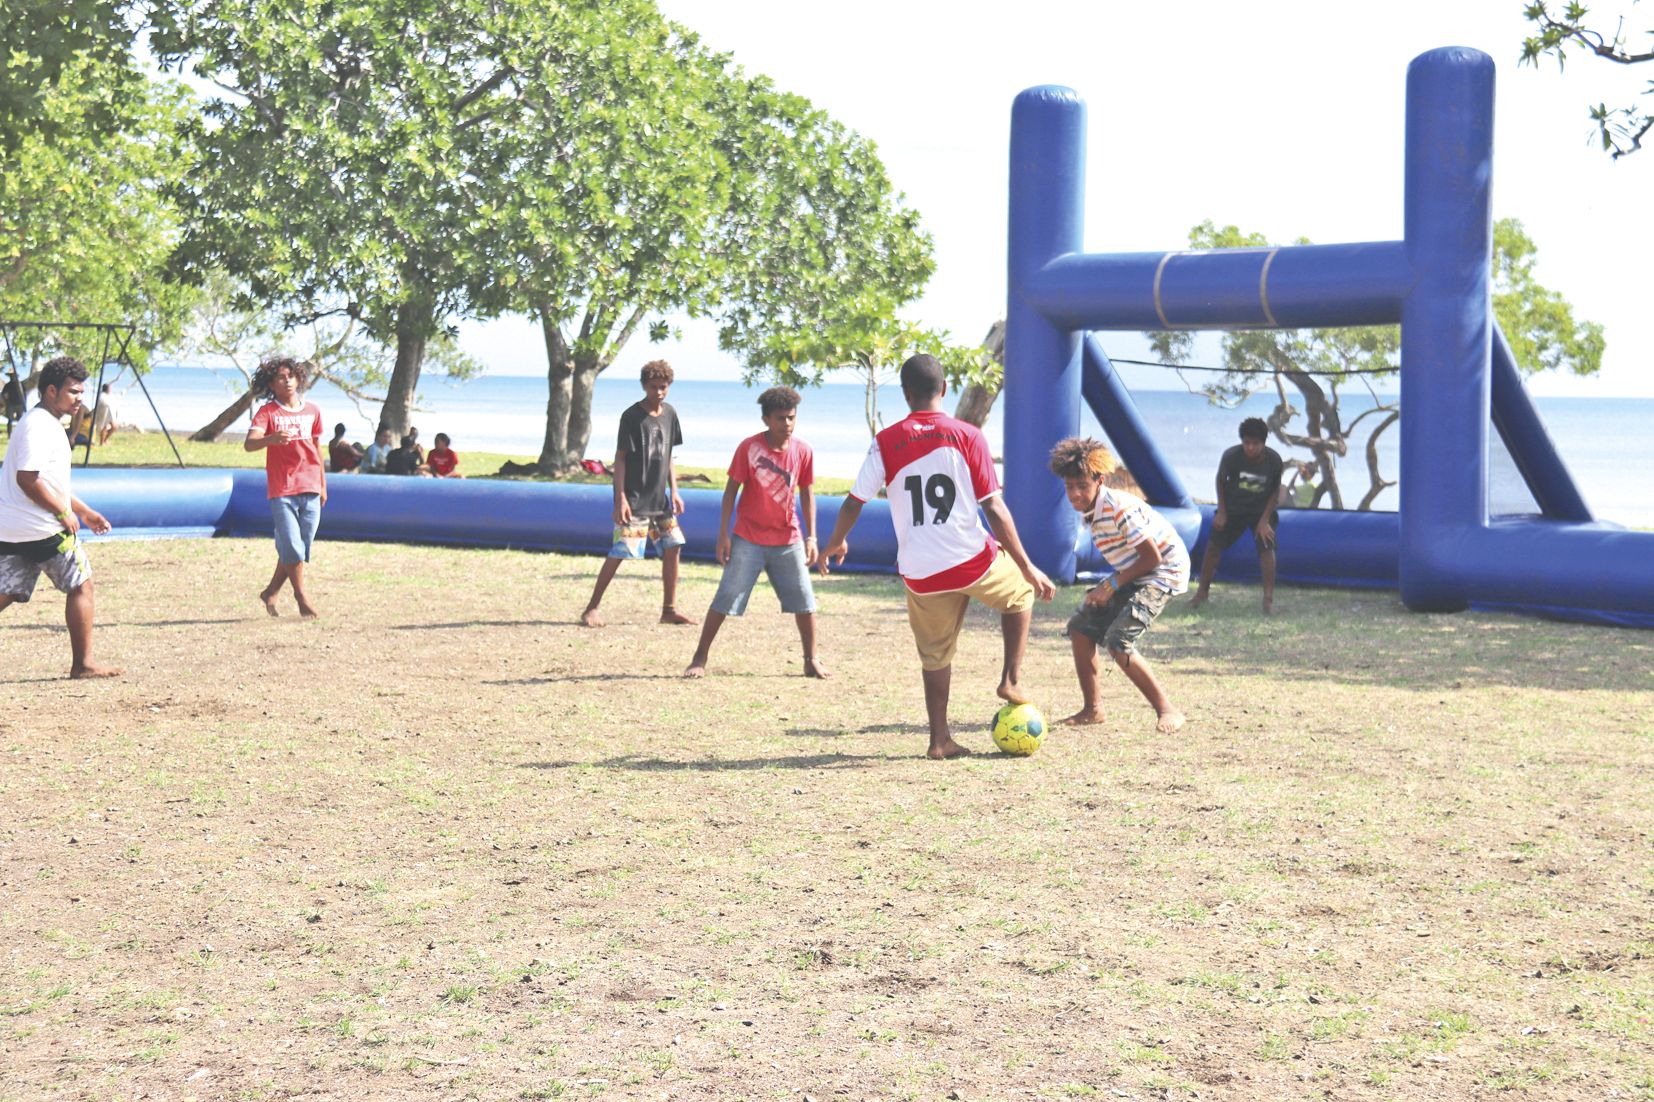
column 937, row 470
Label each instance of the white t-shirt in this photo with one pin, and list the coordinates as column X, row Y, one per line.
column 107, row 413
column 38, row 443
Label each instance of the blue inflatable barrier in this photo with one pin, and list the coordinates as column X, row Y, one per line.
column 1458, row 379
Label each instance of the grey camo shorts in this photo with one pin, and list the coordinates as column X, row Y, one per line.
column 68, row 570
column 1120, row 622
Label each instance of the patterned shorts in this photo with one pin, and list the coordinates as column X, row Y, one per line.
column 1123, row 620
column 632, row 540
column 68, row 570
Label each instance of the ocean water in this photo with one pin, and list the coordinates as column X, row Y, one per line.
column 1607, row 443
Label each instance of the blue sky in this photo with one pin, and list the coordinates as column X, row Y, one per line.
column 1284, row 118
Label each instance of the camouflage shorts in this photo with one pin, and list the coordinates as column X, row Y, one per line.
column 1118, row 624
column 633, row 540
column 68, row 570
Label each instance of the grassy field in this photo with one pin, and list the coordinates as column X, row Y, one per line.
column 150, row 449
column 443, row 844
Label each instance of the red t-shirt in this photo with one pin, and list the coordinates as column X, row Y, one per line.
column 766, row 514
column 294, row 468
column 938, row 470
column 442, row 461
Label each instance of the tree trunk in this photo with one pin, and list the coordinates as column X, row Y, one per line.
column 977, row 401
column 413, row 331
column 586, row 371
column 554, row 451
column 213, row 429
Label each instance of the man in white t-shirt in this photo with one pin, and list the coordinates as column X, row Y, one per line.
column 938, row 470
column 40, row 519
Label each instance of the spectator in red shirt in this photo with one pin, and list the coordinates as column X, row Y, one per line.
column 288, row 430
column 342, row 455
column 766, row 473
column 442, row 460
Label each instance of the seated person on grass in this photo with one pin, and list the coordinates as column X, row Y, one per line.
column 342, row 455
column 378, row 453
column 768, row 469
column 406, row 459
column 1150, row 564
column 442, row 461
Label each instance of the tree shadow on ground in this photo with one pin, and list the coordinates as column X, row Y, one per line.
column 665, row 765
column 1370, row 639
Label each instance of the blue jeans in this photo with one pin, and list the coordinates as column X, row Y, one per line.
column 785, row 566
column 296, row 517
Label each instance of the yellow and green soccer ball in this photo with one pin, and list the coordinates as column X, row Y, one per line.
column 1018, row 729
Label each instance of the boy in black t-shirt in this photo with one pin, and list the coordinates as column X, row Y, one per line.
column 1249, row 480
column 646, row 494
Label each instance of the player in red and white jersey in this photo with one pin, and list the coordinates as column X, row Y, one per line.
column 938, row 470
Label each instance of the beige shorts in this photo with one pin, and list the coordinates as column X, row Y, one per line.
column 937, row 617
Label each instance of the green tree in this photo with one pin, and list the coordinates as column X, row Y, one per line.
column 655, row 178
column 230, row 332
column 47, row 41
column 348, row 161
column 85, row 226
column 1556, row 29
column 1316, row 366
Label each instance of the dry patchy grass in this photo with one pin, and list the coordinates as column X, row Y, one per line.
column 444, row 844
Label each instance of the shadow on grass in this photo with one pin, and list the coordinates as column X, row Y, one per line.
column 665, row 765
column 917, row 730
column 461, row 625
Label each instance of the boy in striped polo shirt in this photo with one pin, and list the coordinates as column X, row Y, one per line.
column 1151, row 566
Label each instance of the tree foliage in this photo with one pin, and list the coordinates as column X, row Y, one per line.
column 1559, row 27
column 1316, row 367
column 85, row 228
column 51, row 46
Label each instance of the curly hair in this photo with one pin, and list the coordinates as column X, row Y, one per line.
column 778, row 399
column 656, row 371
column 1082, row 457
column 266, row 374
column 60, row 370
column 1254, row 428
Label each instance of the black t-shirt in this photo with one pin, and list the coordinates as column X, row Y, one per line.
column 647, row 444
column 402, row 461
column 1249, row 486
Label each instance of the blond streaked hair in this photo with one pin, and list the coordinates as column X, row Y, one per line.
column 1082, row 457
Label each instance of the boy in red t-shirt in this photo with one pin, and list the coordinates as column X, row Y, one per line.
column 442, row 459
column 288, row 430
column 766, row 472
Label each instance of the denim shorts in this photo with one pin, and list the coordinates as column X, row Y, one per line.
column 789, row 576
column 296, row 517
column 1123, row 620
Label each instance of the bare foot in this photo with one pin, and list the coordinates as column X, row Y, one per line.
column 814, row 668
column 696, row 669
column 269, row 600
column 82, row 673
column 1010, row 693
column 591, row 619
column 1269, row 607
column 1198, row 600
column 942, row 751
column 1085, row 717
column 307, row 612
column 1169, row 723
column 673, row 616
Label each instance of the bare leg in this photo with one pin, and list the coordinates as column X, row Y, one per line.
column 590, row 618
column 295, row 574
column 1266, row 566
column 937, row 686
column 669, row 613
column 78, row 612
column 1013, row 629
column 1138, row 671
column 703, row 650
column 5, row 600
column 1208, row 568
column 273, row 590
column 807, row 636
column 1090, row 672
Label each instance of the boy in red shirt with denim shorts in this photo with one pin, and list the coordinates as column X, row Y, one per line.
column 766, row 472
